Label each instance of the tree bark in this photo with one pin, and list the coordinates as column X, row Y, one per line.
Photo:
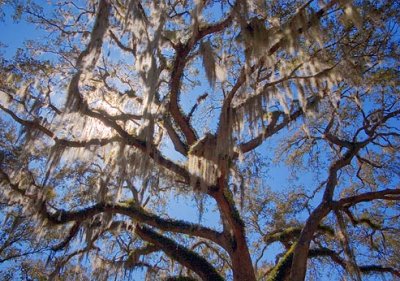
column 242, row 266
column 300, row 256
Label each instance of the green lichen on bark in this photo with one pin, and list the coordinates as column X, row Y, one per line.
column 188, row 258
column 281, row 270
column 235, row 213
column 293, row 232
column 326, row 229
column 284, row 235
column 367, row 221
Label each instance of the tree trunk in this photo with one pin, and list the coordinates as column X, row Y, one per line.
column 240, row 255
column 241, row 263
column 300, row 255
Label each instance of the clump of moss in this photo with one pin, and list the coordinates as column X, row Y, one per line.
column 280, row 271
column 293, row 232
column 326, row 229
column 287, row 234
column 365, row 220
column 182, row 254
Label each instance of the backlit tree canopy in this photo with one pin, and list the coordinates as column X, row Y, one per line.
column 276, row 122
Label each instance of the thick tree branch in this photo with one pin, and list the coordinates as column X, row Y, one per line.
column 299, row 264
column 363, row 220
column 336, row 258
column 72, row 233
column 386, row 194
column 187, row 258
column 147, row 148
column 234, row 231
column 351, row 263
column 134, row 256
column 132, row 211
column 281, row 271
column 88, row 58
column 274, row 127
column 176, row 140
column 121, row 45
column 182, row 52
column 137, row 214
column 123, row 137
column 291, row 234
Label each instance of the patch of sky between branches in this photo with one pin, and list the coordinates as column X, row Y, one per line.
column 14, row 33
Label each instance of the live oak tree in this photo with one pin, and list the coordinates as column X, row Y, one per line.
column 115, row 107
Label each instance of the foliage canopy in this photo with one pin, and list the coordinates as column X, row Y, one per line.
column 122, row 106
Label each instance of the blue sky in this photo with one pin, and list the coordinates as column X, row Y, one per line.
column 183, row 207
column 15, row 33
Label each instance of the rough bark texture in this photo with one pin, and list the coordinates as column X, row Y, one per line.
column 235, row 231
